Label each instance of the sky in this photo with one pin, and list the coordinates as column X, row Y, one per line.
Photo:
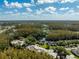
column 39, row 9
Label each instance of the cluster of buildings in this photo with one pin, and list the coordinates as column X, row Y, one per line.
column 50, row 52
column 37, row 48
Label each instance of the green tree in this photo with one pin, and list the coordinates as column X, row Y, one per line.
column 30, row 40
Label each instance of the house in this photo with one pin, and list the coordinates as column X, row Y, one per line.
column 17, row 43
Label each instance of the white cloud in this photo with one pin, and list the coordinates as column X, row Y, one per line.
column 65, row 1
column 62, row 9
column 32, row 1
column 27, row 4
column 40, row 11
column 6, row 3
column 77, row 6
column 45, row 1
column 71, row 11
column 50, row 9
column 12, row 4
column 70, row 15
column 8, row 12
column 46, row 10
column 29, row 9
column 16, row 4
column 51, row 1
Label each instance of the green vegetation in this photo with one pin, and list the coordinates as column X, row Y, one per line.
column 30, row 40
column 57, row 36
column 76, row 57
column 13, row 53
column 4, row 41
column 46, row 46
column 68, row 43
column 59, row 50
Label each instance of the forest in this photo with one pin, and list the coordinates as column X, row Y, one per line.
column 65, row 34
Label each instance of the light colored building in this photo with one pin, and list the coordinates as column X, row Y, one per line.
column 40, row 49
column 17, row 43
column 70, row 57
column 36, row 48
